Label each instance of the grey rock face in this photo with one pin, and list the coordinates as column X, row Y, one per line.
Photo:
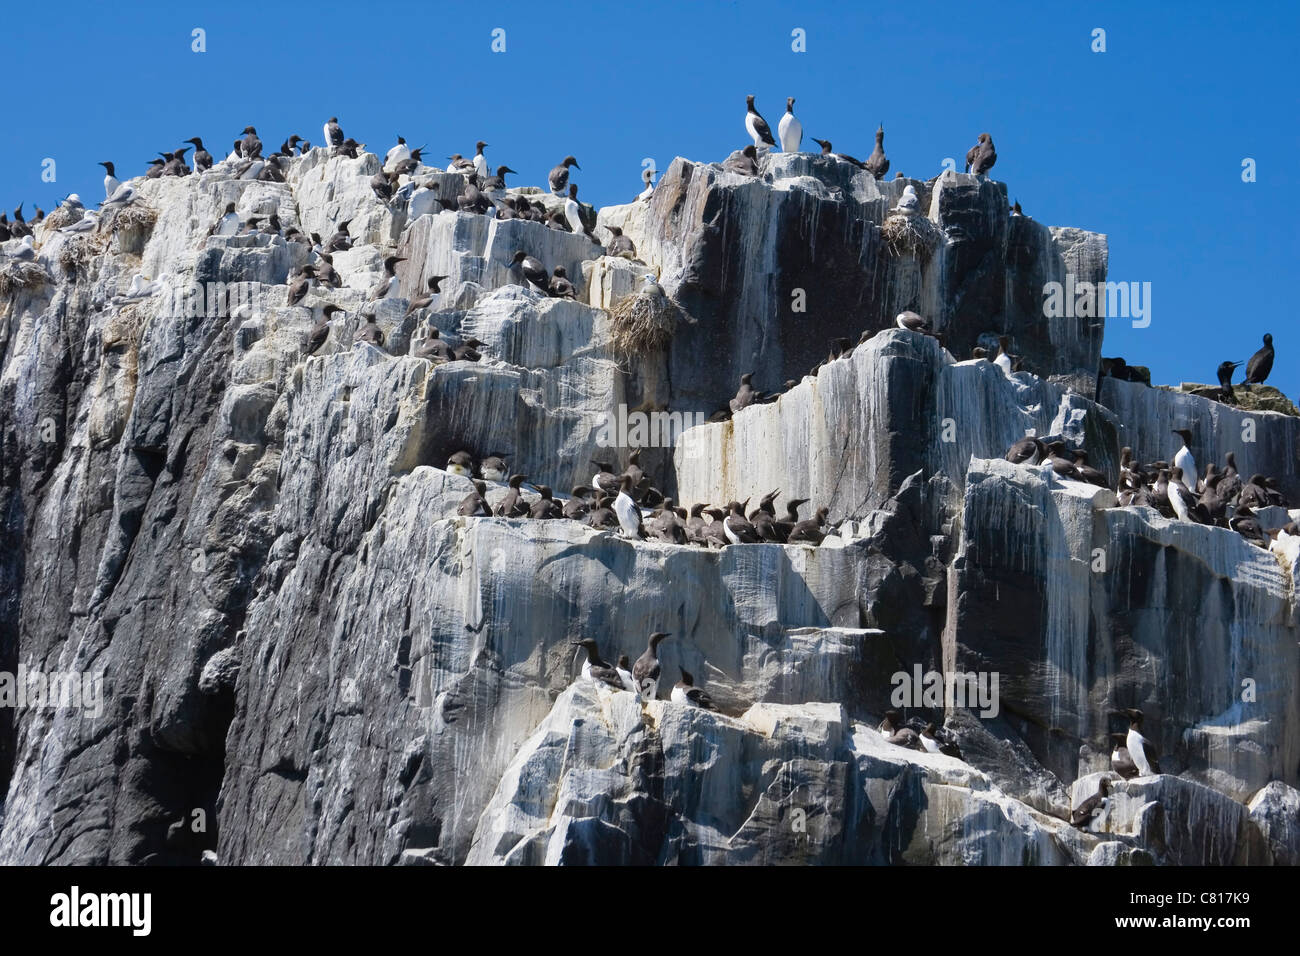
column 258, row 550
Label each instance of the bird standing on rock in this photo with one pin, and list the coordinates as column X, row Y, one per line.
column 981, row 157
column 877, row 163
column 646, row 670
column 1261, row 363
column 789, row 128
column 685, row 692
column 559, row 176
column 756, row 126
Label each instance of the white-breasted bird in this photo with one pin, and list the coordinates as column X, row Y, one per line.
column 789, row 129
column 1184, row 460
column 625, row 509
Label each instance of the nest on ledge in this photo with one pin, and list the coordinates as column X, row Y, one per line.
column 910, row 236
column 15, row 275
column 642, row 322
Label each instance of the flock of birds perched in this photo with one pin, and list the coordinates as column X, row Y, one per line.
column 1177, row 490
column 630, row 503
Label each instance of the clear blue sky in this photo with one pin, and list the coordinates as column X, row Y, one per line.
column 1143, row 142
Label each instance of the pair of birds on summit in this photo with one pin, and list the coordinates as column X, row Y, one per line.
column 630, row 503
column 1257, row 369
column 979, row 158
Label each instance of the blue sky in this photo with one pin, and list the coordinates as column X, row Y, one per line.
column 1143, row 142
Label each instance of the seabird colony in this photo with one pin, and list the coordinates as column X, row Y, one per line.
column 628, row 502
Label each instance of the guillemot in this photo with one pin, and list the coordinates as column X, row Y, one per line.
column 594, row 667
column 981, row 157
column 685, row 692
column 756, row 126
column 789, row 128
column 558, row 177
column 646, row 670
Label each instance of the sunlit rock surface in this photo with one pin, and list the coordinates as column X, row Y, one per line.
column 299, row 641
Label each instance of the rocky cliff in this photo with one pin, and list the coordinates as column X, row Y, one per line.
column 307, row 657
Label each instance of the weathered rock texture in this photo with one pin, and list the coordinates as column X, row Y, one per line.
column 303, row 647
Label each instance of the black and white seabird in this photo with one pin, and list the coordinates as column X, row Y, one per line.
column 578, row 506
column 497, row 183
column 878, row 163
column 1094, row 806
column 648, row 178
column 333, row 132
column 434, row 348
column 981, row 157
column 341, row 241
column 110, row 180
column 513, row 504
column 932, row 743
column 746, row 163
column 913, row 322
column 369, row 332
column 534, row 272
column 573, row 211
column 625, row 508
column 1120, row 761
column 1140, row 749
column 229, row 224
column 250, row 147
column 320, row 332
column 462, row 463
column 300, row 284
column 594, row 667
column 624, row 668
column 480, row 161
column 560, row 287
column 604, row 481
column 737, row 527
column 475, row 503
column 559, row 176
column 789, row 128
column 202, row 158
column 810, row 531
column 424, row 301
column 1027, row 451
column 828, row 150
column 1261, row 363
column 1181, row 498
column 756, row 126
column 388, row 285
column 397, row 153
column 546, row 508
column 746, row 394
column 493, row 468
column 646, row 670
column 1003, row 358
column 619, row 244
column 685, row 691
column 1183, row 458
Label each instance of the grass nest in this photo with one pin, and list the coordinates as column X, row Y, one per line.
column 77, row 251
column 642, row 323
column 21, row 275
column 910, row 236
